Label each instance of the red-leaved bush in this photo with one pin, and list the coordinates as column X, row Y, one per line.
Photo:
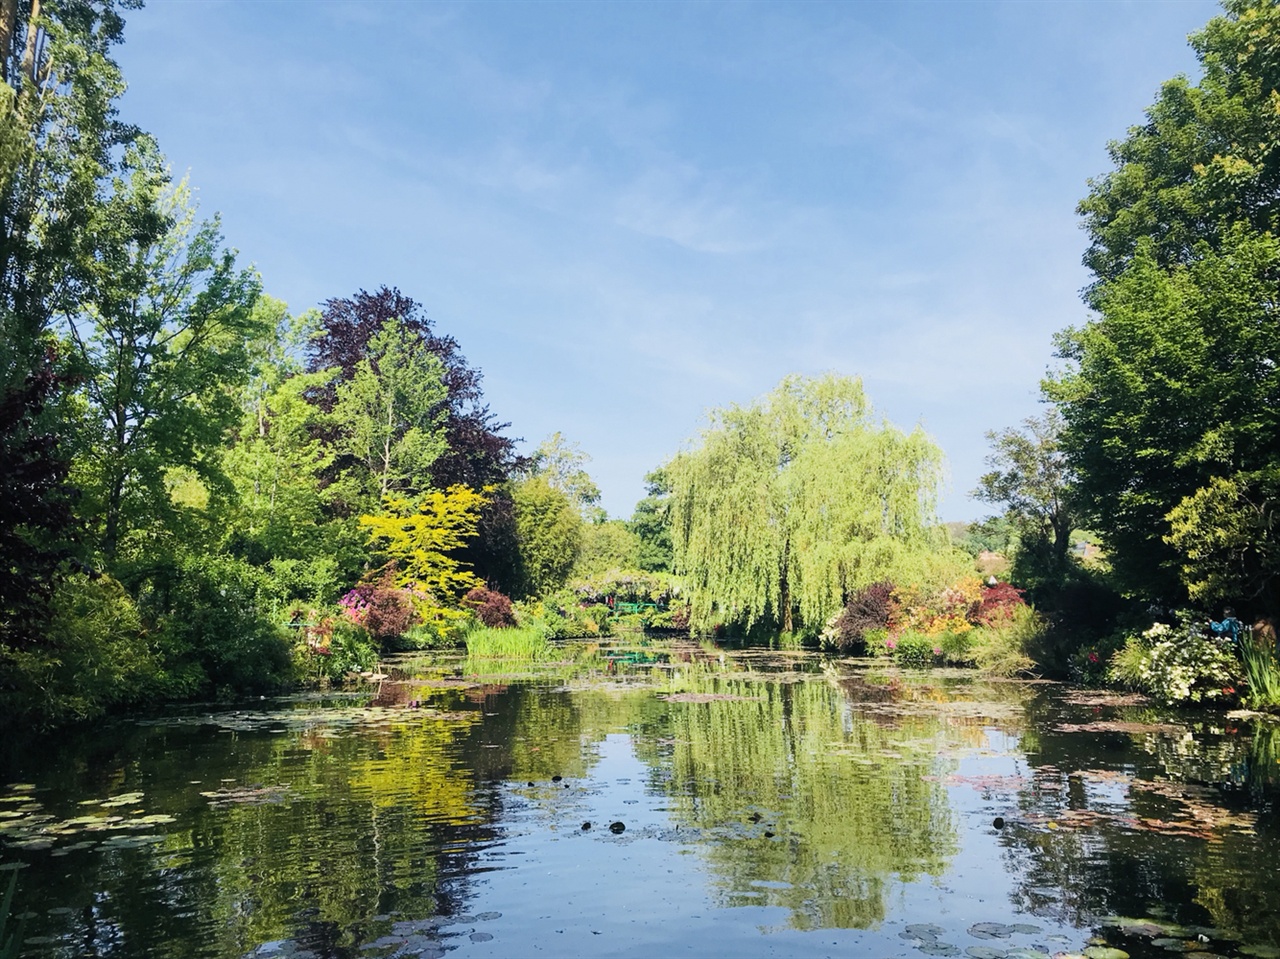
column 381, row 607
column 999, row 602
column 869, row 609
column 491, row 607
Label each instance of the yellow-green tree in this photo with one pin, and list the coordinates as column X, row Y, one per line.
column 423, row 536
column 789, row 504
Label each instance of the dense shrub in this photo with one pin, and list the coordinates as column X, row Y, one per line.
column 869, row 609
column 216, row 627
column 384, row 609
column 1177, row 664
column 94, row 655
column 1009, row 645
column 998, row 604
column 334, row 647
column 490, row 607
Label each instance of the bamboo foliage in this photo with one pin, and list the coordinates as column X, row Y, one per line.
column 788, row 504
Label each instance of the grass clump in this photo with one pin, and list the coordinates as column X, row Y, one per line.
column 518, row 642
column 1007, row 646
column 1262, row 672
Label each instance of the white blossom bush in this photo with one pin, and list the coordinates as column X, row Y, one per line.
column 1179, row 666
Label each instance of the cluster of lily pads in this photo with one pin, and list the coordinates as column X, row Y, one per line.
column 117, row 822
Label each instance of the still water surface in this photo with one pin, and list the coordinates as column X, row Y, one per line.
column 653, row 798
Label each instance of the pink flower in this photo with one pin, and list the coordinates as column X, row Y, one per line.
column 937, row 650
column 890, row 644
column 1092, row 657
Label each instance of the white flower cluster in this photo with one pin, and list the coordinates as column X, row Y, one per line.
column 1187, row 668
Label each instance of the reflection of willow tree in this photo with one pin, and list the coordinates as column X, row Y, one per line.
column 844, row 795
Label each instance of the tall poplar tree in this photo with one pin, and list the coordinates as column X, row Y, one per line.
column 787, row 505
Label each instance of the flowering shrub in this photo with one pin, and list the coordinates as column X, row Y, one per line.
column 1178, row 665
column 490, row 607
column 999, row 603
column 386, row 612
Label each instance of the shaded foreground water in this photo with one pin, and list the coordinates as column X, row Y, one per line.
column 653, row 798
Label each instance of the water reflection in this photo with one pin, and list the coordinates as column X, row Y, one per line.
column 465, row 804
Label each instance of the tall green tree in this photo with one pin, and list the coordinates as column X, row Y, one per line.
column 1169, row 393
column 563, row 465
column 651, row 522
column 1205, row 158
column 1172, row 406
column 389, row 414
column 549, row 530
column 1031, row 478
column 162, row 337
column 789, row 504
column 60, row 141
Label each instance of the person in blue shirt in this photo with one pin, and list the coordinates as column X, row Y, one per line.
column 1230, row 626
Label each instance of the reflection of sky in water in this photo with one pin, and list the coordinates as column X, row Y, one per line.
column 790, row 813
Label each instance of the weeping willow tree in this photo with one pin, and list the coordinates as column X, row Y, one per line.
column 789, row 504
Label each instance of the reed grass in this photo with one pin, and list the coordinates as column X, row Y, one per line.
column 1262, row 671
column 518, row 642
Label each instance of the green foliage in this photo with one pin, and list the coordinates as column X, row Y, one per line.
column 1170, row 403
column 1010, row 647
column 390, row 414
column 423, row 537
column 217, row 627
column 332, row 648
column 161, row 341
column 562, row 465
column 1262, row 672
column 95, row 656
column 1177, row 665
column 651, row 522
column 609, row 545
column 1202, row 159
column 789, row 504
column 1171, row 420
column 549, row 531
column 520, row 642
column 562, row 616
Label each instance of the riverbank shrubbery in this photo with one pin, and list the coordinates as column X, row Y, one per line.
column 562, row 616
column 1177, row 664
column 963, row 624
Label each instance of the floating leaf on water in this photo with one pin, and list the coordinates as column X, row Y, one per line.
column 922, row 930
column 984, row 952
column 990, row 930
column 1105, row 952
column 1174, row 945
column 1025, row 929
column 1261, row 950
column 938, row 949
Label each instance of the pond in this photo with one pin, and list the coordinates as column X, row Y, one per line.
column 652, row 797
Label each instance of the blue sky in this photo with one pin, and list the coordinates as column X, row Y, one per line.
column 630, row 213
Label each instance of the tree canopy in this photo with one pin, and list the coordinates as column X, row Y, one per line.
column 783, row 507
column 1170, row 393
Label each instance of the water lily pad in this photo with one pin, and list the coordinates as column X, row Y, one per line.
column 1025, row 929
column 1174, row 945
column 1105, row 952
column 990, row 930
column 985, row 952
column 1261, row 950
column 938, row 949
column 922, row 930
